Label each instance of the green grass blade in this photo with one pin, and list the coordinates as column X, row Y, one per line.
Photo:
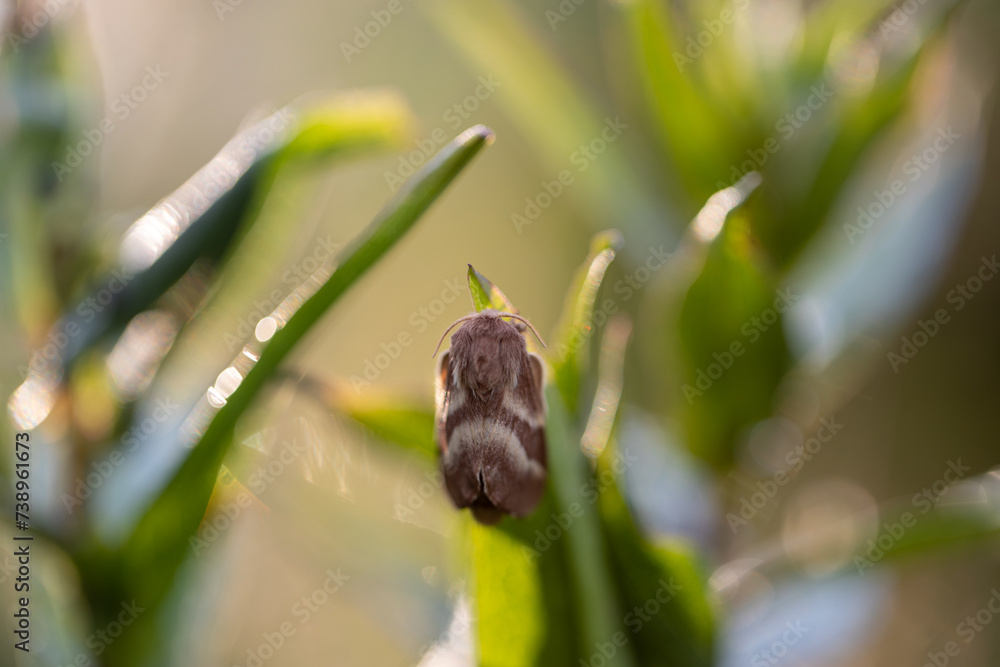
column 509, row 599
column 677, row 628
column 487, row 295
column 158, row 541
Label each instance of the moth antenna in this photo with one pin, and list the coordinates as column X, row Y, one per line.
column 446, row 332
column 530, row 326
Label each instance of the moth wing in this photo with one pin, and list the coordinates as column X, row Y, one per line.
column 524, row 489
column 442, row 398
column 538, row 381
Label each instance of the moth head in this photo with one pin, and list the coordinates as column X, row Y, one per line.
column 486, row 313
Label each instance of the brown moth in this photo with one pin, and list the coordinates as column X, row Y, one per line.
column 491, row 417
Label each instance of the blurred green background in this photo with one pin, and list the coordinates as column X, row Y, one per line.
column 849, row 148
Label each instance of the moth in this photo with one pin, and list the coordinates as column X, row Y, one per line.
column 490, row 417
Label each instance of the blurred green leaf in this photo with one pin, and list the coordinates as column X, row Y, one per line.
column 734, row 350
column 526, row 610
column 679, row 631
column 396, row 420
column 785, row 230
column 401, row 421
column 946, row 527
column 658, row 589
column 589, row 567
column 610, row 386
column 908, row 527
column 577, row 325
column 824, row 24
column 793, row 216
column 223, row 199
column 388, row 227
column 554, row 112
column 701, row 139
column 509, row 599
column 44, row 86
